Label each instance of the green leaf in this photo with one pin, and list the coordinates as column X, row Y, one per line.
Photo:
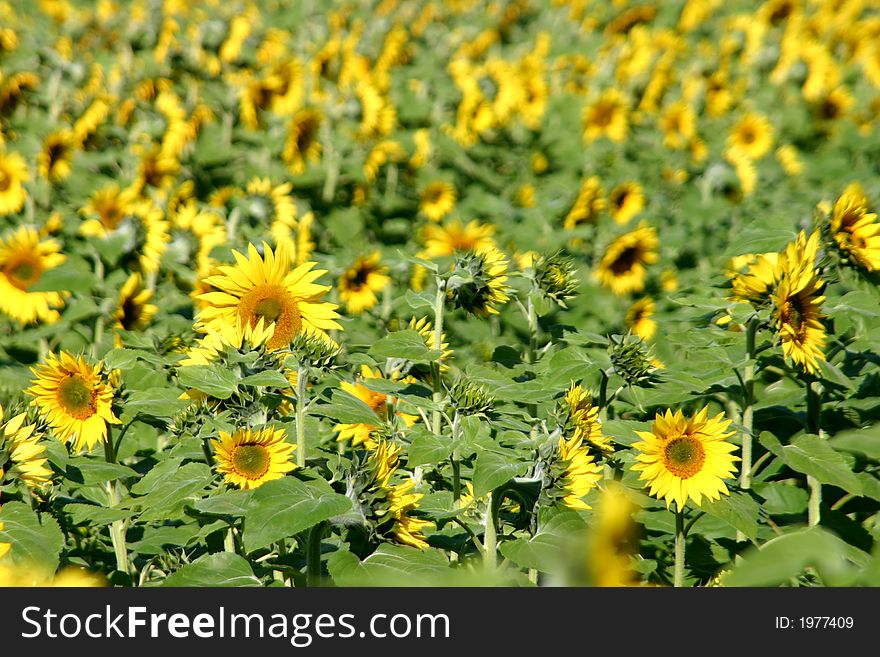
column 347, row 409
column 158, row 540
column 427, row 448
column 549, row 549
column 95, row 515
column 389, row 565
column 861, row 441
column 406, row 344
column 167, row 498
column 738, row 510
column 267, row 379
column 493, row 469
column 231, row 503
column 65, row 277
column 781, row 498
column 156, row 402
column 35, row 540
column 785, row 557
column 85, row 470
column 813, row 456
column 213, row 380
column 288, row 506
column 221, row 569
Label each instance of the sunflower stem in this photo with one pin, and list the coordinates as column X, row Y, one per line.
column 532, row 316
column 814, row 426
column 301, row 380
column 680, row 536
column 490, row 537
column 455, row 458
column 439, row 305
column 603, row 395
column 313, row 554
column 748, row 400
column 117, row 528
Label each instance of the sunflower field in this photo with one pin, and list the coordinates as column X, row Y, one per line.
column 459, row 293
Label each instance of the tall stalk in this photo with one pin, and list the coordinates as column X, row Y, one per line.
column 117, row 527
column 814, row 413
column 302, row 379
column 439, row 305
column 680, row 537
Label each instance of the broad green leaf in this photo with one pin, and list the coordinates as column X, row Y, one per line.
column 493, row 469
column 427, row 448
column 267, row 379
column 347, row 409
column 95, row 515
column 389, row 565
column 35, row 540
column 288, row 506
column 159, row 540
column 813, row 456
column 550, row 548
column 406, row 344
column 167, row 498
column 781, row 498
column 738, row 510
column 221, row 569
column 213, row 380
column 862, row 441
column 785, row 557
column 85, row 470
column 65, row 277
column 156, row 402
column 230, row 503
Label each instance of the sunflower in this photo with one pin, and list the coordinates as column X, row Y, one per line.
column 268, row 204
column 425, row 329
column 135, row 311
column 589, row 203
column 156, row 168
column 361, row 434
column 106, row 209
column 581, row 473
column 55, row 158
column 856, row 231
column 359, row 283
column 607, row 116
column 789, row 160
column 454, row 236
column 753, row 277
column 683, row 458
column 581, row 419
column 302, row 145
column 23, row 261
column 679, row 125
column 751, row 136
column 638, row 318
column 73, row 396
column 478, row 282
column 797, row 302
column 626, row 201
column 142, row 223
column 622, row 267
column 437, row 200
column 4, row 547
column 248, row 458
column 26, row 452
column 407, row 529
column 220, row 336
column 266, row 287
column 834, row 105
column 13, row 172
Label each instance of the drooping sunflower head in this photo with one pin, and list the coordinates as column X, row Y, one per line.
column 437, row 200
column 248, row 458
column 555, row 277
column 400, row 502
column 685, row 458
column 622, row 267
column 626, row 201
column 572, row 472
column 302, row 146
column 265, row 287
column 454, row 236
column 134, row 311
column 478, row 282
column 75, row 399
column 579, row 418
column 25, row 450
column 359, row 283
column 855, row 231
column 54, row 161
column 13, row 175
column 264, row 204
column 24, row 258
column 753, row 277
column 106, row 209
column 639, row 318
column 588, row 205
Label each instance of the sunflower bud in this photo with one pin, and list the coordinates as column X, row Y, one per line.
column 476, row 283
column 632, row 360
column 469, row 398
column 554, row 276
column 314, row 351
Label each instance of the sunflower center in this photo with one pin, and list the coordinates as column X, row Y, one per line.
column 250, row 461
column 794, row 313
column 684, row 456
column 357, row 279
column 377, row 403
column 603, row 115
column 748, row 136
column 131, row 313
column 77, row 397
column 111, row 216
column 272, row 304
column 306, row 136
column 23, row 273
column 5, row 181
column 625, row 261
